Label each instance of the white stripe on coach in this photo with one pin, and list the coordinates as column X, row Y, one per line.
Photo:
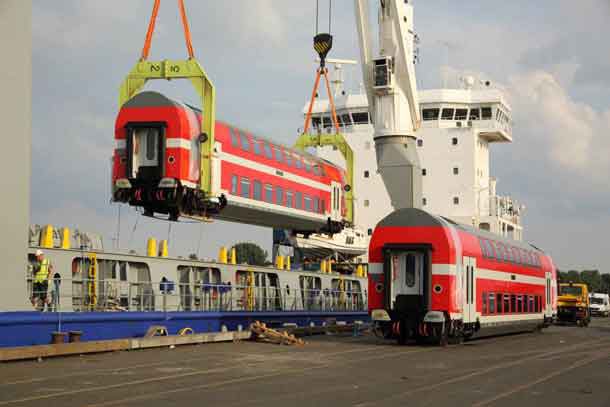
column 272, row 171
column 178, row 143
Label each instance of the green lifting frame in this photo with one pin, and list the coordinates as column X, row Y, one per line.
column 189, row 69
column 337, row 140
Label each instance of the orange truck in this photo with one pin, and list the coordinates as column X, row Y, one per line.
column 573, row 304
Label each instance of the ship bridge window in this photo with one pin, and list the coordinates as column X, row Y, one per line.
column 327, row 122
column 361, row 117
column 346, row 119
column 268, row 151
column 447, row 114
column 245, row 143
column 316, row 122
column 486, row 113
column 475, row 114
column 430, row 114
column 461, row 114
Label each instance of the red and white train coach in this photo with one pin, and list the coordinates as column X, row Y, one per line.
column 432, row 278
column 156, row 166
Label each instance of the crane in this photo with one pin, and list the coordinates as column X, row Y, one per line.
column 389, row 80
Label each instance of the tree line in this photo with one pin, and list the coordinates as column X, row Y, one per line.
column 595, row 281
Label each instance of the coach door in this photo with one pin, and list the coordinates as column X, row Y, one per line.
column 469, row 290
column 406, row 275
column 548, row 306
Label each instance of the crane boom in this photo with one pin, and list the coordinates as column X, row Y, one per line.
column 392, row 95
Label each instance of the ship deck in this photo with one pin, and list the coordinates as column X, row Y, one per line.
column 564, row 365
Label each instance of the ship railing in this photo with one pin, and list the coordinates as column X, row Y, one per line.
column 114, row 295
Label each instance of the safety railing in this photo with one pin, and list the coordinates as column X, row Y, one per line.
column 112, row 295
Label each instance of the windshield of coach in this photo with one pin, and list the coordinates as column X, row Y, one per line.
column 570, row 290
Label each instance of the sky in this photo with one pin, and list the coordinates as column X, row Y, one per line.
column 550, row 56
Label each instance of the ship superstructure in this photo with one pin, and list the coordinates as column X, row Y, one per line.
column 457, row 129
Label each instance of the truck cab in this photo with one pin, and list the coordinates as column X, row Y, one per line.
column 573, row 304
column 600, row 304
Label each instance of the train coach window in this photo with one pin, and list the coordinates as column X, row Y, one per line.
column 322, row 206
column 516, row 255
column 530, row 304
column 513, row 303
column 288, row 158
column 234, row 184
column 519, row 303
column 279, row 196
column 297, row 162
column 269, row 193
column 245, row 187
column 289, row 199
column 245, row 143
column 257, row 146
column 278, row 154
column 307, row 166
column 506, row 304
column 508, row 254
column 316, row 205
column 268, row 152
column 257, row 190
column 234, row 140
column 484, row 303
column 499, row 303
column 492, row 303
column 317, row 170
column 298, row 200
column 307, row 203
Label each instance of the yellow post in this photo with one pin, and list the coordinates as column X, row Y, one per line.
column 46, row 237
column 233, row 256
column 279, row 262
column 65, row 238
column 151, row 247
column 359, row 271
column 222, row 255
column 287, row 263
column 329, row 267
column 163, row 250
column 250, row 291
column 323, row 266
column 92, row 281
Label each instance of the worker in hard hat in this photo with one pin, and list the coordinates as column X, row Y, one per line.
column 41, row 270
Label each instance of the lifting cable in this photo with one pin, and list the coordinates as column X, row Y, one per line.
column 322, row 44
column 151, row 30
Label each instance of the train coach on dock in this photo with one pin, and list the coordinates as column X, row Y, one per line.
column 156, row 166
column 431, row 278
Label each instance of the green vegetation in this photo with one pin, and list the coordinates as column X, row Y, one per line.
column 251, row 253
column 595, row 281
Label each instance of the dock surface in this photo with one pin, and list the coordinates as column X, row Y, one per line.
column 562, row 366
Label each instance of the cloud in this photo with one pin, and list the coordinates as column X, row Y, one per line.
column 571, row 131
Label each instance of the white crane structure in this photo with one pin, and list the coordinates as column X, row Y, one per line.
column 389, row 80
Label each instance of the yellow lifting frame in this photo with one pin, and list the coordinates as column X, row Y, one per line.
column 337, row 140
column 189, row 69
